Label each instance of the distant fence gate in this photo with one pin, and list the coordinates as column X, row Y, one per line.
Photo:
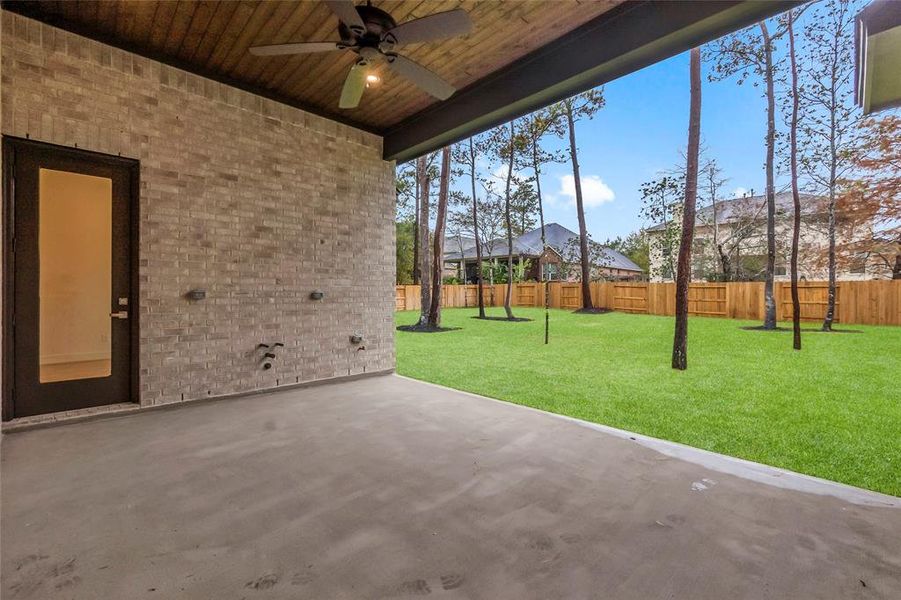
column 863, row 302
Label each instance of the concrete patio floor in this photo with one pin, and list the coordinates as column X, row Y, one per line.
column 386, row 487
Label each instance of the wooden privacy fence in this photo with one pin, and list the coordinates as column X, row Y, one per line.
column 863, row 302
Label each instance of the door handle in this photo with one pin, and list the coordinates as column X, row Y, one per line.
column 122, row 314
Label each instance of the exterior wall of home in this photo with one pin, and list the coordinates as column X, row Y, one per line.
column 257, row 202
column 812, row 252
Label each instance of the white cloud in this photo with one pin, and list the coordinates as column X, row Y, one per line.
column 739, row 192
column 594, row 191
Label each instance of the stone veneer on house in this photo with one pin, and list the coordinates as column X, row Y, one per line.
column 255, row 201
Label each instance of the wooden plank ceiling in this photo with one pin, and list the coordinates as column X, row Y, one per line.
column 212, row 38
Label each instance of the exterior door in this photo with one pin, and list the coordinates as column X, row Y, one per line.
column 72, row 300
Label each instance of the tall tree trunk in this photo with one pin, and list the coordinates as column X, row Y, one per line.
column 716, row 232
column 833, row 182
column 830, row 298
column 420, row 169
column 796, row 196
column 475, row 228
column 508, row 296
column 769, row 321
column 536, row 166
column 461, row 266
column 425, row 293
column 683, row 272
column 725, row 263
column 585, row 259
column 438, row 253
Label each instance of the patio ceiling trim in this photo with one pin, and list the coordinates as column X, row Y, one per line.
column 620, row 41
column 877, row 41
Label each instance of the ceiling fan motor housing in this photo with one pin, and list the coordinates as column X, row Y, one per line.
column 377, row 21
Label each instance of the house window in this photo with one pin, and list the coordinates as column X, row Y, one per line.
column 859, row 263
column 551, row 272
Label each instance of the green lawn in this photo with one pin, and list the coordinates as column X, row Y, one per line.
column 832, row 410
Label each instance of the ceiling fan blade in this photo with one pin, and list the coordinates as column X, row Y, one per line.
column 433, row 27
column 354, row 85
column 299, row 48
column 421, row 76
column 347, row 13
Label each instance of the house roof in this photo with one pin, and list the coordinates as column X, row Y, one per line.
column 732, row 209
column 529, row 245
column 453, row 240
column 519, row 56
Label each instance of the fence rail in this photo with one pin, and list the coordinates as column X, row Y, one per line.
column 861, row 302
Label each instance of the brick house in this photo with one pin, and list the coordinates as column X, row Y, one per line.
column 555, row 263
column 736, row 233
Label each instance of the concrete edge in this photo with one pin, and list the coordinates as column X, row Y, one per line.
column 730, row 465
column 126, row 409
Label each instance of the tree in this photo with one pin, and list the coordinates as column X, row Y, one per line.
column 769, row 294
column 575, row 108
column 459, row 227
column 423, row 178
column 491, row 222
column 712, row 184
column 405, row 192
column 404, row 256
column 405, row 222
column 829, row 116
column 511, row 159
column 434, row 320
column 539, row 124
column 467, row 156
column 870, row 205
column 796, row 195
column 661, row 205
column 523, row 205
column 747, row 53
column 683, row 273
column 418, row 174
column 507, row 145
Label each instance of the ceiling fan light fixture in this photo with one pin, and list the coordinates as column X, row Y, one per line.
column 372, row 78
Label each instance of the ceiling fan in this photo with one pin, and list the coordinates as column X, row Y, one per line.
column 373, row 35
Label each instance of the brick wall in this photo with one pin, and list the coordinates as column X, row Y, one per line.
column 257, row 202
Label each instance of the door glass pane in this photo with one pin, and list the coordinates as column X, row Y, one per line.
column 74, row 244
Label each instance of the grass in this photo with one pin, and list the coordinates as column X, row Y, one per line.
column 832, row 410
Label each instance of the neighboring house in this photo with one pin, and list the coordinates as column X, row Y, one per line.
column 457, row 242
column 556, row 263
column 730, row 242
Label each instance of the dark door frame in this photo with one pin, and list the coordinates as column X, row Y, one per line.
column 9, row 147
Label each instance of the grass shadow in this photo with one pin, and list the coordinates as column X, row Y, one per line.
column 513, row 320
column 803, row 329
column 426, row 329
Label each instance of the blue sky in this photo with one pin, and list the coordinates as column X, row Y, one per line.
column 642, row 130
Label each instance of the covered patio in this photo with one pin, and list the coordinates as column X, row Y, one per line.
column 387, row 487
column 245, row 229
